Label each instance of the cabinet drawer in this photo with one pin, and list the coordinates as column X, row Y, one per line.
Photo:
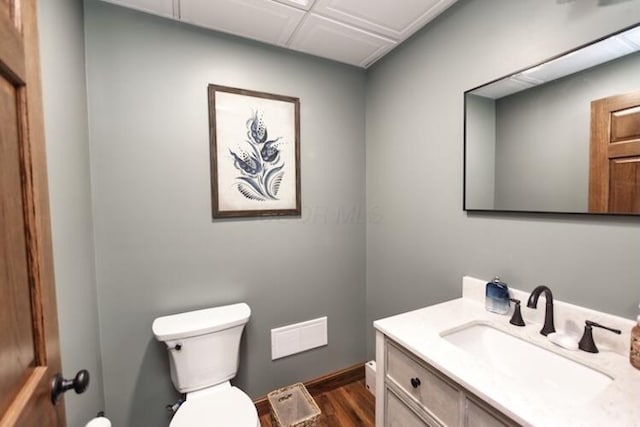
column 397, row 414
column 439, row 397
column 481, row 415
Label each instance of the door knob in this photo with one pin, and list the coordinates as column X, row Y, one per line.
column 59, row 385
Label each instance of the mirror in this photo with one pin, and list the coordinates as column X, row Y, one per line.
column 562, row 136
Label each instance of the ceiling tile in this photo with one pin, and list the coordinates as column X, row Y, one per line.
column 300, row 4
column 330, row 39
column 397, row 19
column 263, row 20
column 156, row 7
column 356, row 32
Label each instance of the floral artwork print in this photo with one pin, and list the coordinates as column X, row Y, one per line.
column 255, row 153
column 258, row 161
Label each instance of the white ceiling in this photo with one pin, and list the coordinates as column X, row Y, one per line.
column 356, row 32
column 613, row 47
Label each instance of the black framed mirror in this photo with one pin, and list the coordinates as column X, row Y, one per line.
column 562, row 136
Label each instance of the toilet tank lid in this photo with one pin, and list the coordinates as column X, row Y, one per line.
column 200, row 322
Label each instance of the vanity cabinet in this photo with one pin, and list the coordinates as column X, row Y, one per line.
column 416, row 394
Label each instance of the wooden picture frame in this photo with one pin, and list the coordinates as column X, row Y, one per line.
column 255, row 153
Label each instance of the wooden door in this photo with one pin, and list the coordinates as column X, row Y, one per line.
column 614, row 166
column 29, row 349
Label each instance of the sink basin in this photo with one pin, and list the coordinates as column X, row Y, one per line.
column 542, row 371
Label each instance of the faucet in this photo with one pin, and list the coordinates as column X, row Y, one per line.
column 548, row 312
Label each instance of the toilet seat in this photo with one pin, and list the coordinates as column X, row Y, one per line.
column 229, row 406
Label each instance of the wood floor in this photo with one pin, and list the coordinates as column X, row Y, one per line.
column 346, row 406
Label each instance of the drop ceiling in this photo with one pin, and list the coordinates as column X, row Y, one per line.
column 356, row 32
column 613, row 47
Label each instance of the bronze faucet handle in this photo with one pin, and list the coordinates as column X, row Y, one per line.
column 516, row 318
column 586, row 342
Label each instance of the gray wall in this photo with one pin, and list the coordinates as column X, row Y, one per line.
column 425, row 243
column 158, row 251
column 67, row 139
column 480, row 146
column 542, row 138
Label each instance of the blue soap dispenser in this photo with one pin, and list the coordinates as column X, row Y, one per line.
column 497, row 296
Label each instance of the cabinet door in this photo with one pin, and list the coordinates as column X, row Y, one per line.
column 479, row 415
column 397, row 414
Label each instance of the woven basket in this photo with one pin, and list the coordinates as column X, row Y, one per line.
column 293, row 406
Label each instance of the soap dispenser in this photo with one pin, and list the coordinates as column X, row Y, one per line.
column 497, row 296
column 634, row 354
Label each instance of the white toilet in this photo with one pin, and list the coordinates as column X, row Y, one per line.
column 203, row 350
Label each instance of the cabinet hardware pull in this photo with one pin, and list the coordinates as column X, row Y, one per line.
column 415, row 382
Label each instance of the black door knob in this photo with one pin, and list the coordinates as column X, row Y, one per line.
column 415, row 382
column 59, row 385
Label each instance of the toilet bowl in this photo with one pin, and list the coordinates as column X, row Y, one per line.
column 203, row 348
column 222, row 405
column 98, row 421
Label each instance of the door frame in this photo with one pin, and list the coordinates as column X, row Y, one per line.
column 601, row 151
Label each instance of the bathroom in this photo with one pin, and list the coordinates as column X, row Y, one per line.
column 129, row 179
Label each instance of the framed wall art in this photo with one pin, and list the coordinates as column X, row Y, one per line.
column 255, row 153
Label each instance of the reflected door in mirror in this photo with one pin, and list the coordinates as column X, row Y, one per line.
column 614, row 170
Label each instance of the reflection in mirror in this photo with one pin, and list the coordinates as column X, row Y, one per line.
column 563, row 136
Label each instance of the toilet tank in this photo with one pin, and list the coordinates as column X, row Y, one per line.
column 203, row 345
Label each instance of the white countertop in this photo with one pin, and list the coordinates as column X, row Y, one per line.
column 419, row 331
